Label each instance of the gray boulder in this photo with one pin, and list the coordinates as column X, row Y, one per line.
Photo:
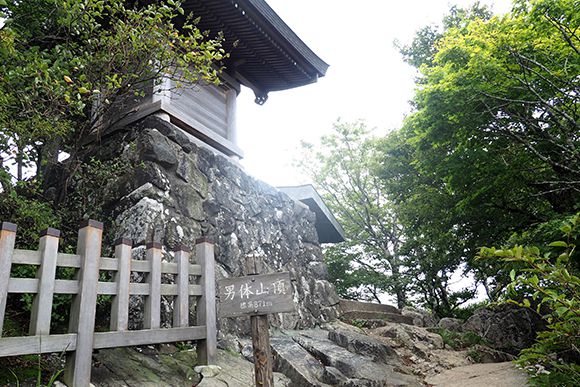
column 298, row 364
column 363, row 345
column 360, row 370
column 451, row 324
column 507, row 327
column 421, row 318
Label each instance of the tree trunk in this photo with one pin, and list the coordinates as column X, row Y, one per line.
column 399, row 287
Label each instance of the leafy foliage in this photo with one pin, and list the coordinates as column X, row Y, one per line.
column 459, row 340
column 547, row 282
column 68, row 67
column 67, row 70
column 492, row 147
column 343, row 169
column 67, row 62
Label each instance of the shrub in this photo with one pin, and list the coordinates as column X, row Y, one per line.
column 547, row 282
column 457, row 340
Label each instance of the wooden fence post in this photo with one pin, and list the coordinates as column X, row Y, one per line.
column 42, row 304
column 181, row 303
column 206, row 304
column 152, row 311
column 120, row 305
column 77, row 372
column 262, row 352
column 7, row 239
column 260, row 336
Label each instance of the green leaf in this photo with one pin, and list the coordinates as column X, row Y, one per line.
column 558, row 244
column 526, row 303
column 513, row 274
column 561, row 311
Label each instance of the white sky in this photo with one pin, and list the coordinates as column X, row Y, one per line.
column 367, row 79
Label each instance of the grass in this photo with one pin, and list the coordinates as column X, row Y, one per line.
column 460, row 340
column 30, row 369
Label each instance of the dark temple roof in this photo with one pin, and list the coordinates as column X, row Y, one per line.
column 268, row 55
column 327, row 227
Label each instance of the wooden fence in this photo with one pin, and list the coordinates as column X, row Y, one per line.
column 81, row 338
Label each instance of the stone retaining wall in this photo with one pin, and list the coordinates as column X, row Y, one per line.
column 179, row 192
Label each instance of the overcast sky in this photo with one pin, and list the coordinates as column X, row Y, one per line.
column 367, row 78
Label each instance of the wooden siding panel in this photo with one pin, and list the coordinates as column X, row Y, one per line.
column 206, row 105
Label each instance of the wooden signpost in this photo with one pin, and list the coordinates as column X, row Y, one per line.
column 257, row 296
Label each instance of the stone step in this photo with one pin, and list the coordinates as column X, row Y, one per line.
column 303, row 369
column 354, row 315
column 364, row 345
column 310, row 358
column 349, row 305
column 346, row 368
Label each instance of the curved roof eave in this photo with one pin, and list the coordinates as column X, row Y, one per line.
column 288, row 36
column 268, row 55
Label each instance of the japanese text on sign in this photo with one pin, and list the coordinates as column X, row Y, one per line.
column 259, row 294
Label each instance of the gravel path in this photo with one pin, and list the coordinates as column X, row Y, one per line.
column 480, row 375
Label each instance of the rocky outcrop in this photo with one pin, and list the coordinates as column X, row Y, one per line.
column 506, row 327
column 371, row 315
column 335, row 357
column 418, row 340
column 144, row 366
column 421, row 350
column 421, row 318
column 178, row 192
column 363, row 345
column 166, row 366
column 291, row 359
column 451, row 324
column 337, row 354
column 344, row 355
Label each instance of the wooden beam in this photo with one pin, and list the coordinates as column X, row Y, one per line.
column 32, row 345
column 147, row 336
column 42, row 304
column 7, row 239
column 26, row 257
column 262, row 351
column 82, row 318
column 120, row 304
column 152, row 310
column 260, row 335
column 206, row 304
column 181, row 301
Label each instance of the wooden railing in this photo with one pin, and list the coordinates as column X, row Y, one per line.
column 81, row 338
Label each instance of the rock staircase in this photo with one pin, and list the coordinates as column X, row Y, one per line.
column 371, row 315
column 338, row 357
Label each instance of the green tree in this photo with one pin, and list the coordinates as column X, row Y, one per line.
column 423, row 48
column 545, row 279
column 433, row 245
column 343, row 170
column 66, row 66
column 492, row 147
